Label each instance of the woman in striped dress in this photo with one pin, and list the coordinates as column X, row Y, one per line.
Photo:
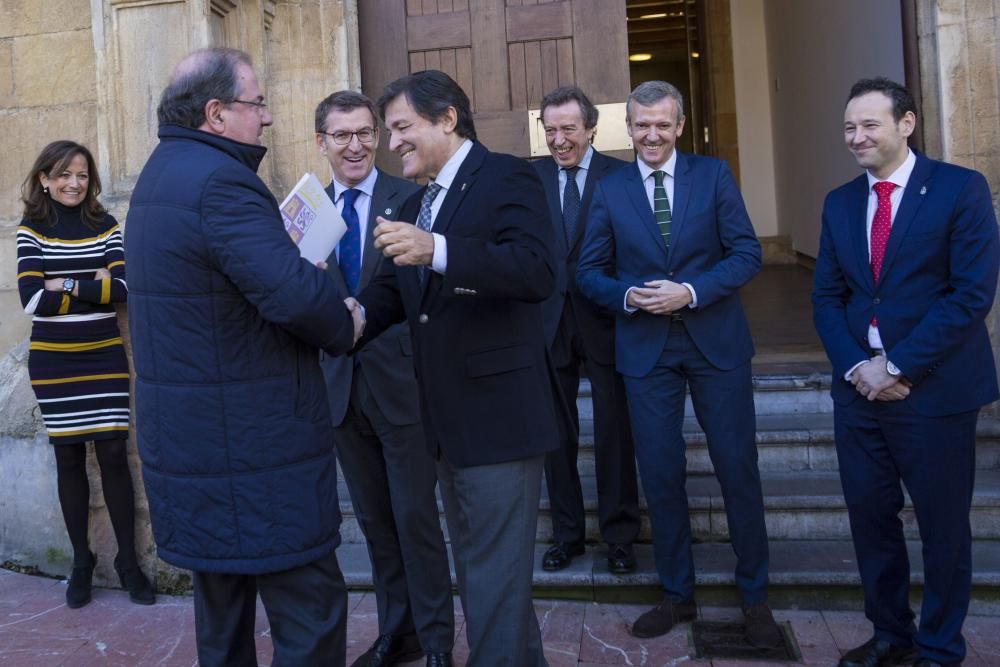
column 70, row 272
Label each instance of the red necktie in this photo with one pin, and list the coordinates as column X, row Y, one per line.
column 881, row 225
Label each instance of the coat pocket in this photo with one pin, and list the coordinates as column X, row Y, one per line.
column 499, row 360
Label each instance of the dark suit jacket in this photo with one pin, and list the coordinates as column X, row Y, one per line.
column 713, row 247
column 595, row 325
column 486, row 384
column 388, row 361
column 936, row 286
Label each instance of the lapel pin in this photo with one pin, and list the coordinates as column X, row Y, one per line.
column 388, row 211
column 462, row 188
column 923, row 190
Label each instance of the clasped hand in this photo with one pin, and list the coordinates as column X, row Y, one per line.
column 405, row 244
column 56, row 284
column 659, row 297
column 873, row 381
column 358, row 315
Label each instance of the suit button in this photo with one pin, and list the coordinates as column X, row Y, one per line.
column 877, row 301
column 671, row 274
column 423, row 319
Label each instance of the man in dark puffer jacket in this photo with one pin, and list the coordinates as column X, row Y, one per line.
column 231, row 413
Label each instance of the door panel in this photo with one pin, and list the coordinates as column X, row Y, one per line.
column 506, row 54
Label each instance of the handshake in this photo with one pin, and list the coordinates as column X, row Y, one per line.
column 358, row 315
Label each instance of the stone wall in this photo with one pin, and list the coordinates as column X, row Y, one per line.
column 93, row 72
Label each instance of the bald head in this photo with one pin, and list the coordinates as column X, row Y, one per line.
column 202, row 76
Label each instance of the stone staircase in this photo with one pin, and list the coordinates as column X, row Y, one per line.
column 812, row 559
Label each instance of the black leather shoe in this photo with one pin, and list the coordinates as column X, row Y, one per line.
column 560, row 554
column 391, row 650
column 80, row 583
column 878, row 653
column 439, row 660
column 140, row 591
column 664, row 616
column 621, row 559
column 760, row 629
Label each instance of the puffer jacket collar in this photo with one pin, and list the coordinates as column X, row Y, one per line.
column 247, row 154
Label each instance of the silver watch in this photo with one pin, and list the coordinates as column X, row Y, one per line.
column 68, row 285
column 892, row 369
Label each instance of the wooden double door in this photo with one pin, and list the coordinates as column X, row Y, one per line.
column 506, row 54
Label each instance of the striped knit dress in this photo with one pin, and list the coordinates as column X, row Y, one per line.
column 77, row 363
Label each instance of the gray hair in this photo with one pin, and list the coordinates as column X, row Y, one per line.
column 649, row 93
column 202, row 76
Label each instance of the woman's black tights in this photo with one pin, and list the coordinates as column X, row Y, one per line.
column 74, row 497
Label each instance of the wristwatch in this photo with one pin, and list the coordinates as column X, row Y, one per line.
column 68, row 285
column 892, row 369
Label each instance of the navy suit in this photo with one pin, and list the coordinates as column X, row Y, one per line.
column 581, row 333
column 487, row 388
column 375, row 407
column 936, row 286
column 714, row 249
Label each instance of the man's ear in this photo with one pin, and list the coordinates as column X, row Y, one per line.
column 214, row 122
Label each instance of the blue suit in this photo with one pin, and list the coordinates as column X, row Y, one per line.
column 713, row 248
column 936, row 286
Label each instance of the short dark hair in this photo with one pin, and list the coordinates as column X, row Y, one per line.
column 430, row 93
column 564, row 94
column 902, row 100
column 211, row 75
column 343, row 100
column 52, row 160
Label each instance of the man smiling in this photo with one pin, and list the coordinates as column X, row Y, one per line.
column 668, row 246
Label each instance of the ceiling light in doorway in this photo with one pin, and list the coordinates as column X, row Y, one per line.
column 695, row 55
column 640, row 57
column 653, row 16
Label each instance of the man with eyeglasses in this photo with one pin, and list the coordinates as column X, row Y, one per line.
column 375, row 407
column 232, row 422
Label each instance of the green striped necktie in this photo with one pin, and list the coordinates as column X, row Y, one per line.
column 661, row 207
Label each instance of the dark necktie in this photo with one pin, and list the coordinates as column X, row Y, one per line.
column 571, row 204
column 661, row 207
column 424, row 221
column 881, row 226
column 349, row 256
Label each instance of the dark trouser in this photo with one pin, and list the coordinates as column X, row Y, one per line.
column 879, row 445
column 491, row 512
column 723, row 405
column 306, row 607
column 617, row 489
column 391, row 478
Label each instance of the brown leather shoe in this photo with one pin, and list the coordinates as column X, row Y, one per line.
column 560, row 555
column 664, row 616
column 878, row 653
column 759, row 628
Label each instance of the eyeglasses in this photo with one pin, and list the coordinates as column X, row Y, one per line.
column 260, row 104
column 342, row 137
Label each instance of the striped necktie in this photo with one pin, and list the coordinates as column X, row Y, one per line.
column 661, row 207
column 424, row 222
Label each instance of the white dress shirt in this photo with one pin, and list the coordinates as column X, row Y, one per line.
column 899, row 178
column 649, row 183
column 444, row 179
column 362, row 204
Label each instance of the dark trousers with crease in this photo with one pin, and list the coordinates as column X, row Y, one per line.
column 614, row 465
column 391, row 478
column 880, row 445
column 306, row 607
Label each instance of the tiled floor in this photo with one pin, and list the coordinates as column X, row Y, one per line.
column 36, row 628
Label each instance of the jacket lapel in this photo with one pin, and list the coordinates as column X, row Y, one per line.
column 597, row 168
column 332, row 265
column 550, row 176
column 382, row 193
column 683, row 184
column 857, row 223
column 461, row 184
column 913, row 197
column 636, row 193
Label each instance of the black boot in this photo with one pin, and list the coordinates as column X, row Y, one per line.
column 80, row 582
column 140, row 591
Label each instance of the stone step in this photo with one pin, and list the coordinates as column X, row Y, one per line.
column 805, row 505
column 809, row 574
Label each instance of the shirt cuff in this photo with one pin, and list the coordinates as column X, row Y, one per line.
column 694, row 295
column 440, row 261
column 628, row 308
column 847, row 375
